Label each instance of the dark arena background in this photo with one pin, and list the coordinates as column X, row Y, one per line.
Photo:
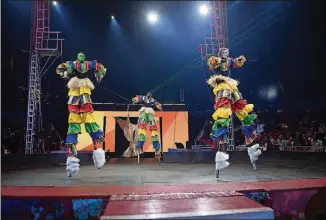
column 164, row 47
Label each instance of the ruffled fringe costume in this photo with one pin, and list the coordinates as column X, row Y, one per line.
column 229, row 100
column 146, row 117
column 81, row 110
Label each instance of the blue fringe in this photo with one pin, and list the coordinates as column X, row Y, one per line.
column 217, row 133
column 140, row 143
column 156, row 145
column 96, row 135
column 71, row 138
column 248, row 130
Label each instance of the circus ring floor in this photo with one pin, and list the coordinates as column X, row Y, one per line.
column 124, row 190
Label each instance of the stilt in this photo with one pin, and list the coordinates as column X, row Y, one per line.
column 138, row 159
column 159, row 159
column 254, row 166
column 217, row 174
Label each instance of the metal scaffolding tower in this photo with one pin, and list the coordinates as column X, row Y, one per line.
column 218, row 39
column 45, row 45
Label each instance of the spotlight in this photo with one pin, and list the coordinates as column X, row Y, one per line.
column 112, row 17
column 54, row 3
column 203, row 9
column 152, row 17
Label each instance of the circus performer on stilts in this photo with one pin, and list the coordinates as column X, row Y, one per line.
column 80, row 108
column 229, row 100
column 146, row 117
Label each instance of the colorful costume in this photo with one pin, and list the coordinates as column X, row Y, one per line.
column 80, row 108
column 146, row 117
column 228, row 100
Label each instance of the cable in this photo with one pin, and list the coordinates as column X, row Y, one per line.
column 176, row 74
column 167, row 82
column 252, row 34
column 175, row 78
column 250, row 30
column 256, row 18
column 114, row 93
column 205, row 80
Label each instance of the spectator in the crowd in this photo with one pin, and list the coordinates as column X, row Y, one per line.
column 318, row 142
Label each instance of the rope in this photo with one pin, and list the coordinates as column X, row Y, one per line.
column 176, row 77
column 250, row 30
column 255, row 18
column 186, row 69
column 178, row 72
column 42, row 73
column 114, row 93
column 205, row 80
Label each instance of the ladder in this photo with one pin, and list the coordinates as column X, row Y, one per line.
column 41, row 38
column 34, row 95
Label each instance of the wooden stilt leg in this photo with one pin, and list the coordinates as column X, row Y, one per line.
column 254, row 166
column 138, row 159
column 159, row 159
column 218, row 171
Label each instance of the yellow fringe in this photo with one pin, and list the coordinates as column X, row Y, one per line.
column 242, row 114
column 249, row 108
column 88, row 117
column 222, row 113
column 154, row 133
column 81, row 118
column 224, row 86
column 79, row 91
column 74, row 118
column 141, row 131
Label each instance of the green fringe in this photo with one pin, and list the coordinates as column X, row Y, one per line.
column 73, row 149
column 223, row 122
column 141, row 137
column 74, row 129
column 155, row 138
column 91, row 127
column 249, row 120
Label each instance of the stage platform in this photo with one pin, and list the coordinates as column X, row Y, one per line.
column 124, row 190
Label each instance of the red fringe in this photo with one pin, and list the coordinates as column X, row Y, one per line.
column 142, row 126
column 239, row 105
column 153, row 128
column 98, row 67
column 81, row 108
column 86, row 108
column 222, row 103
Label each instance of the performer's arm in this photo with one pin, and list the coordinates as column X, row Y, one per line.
column 158, row 105
column 99, row 70
column 213, row 62
column 138, row 99
column 65, row 70
column 238, row 62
